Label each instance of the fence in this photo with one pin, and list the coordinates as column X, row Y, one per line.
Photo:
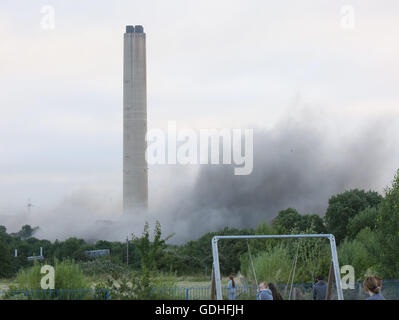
column 302, row 291
column 56, row 294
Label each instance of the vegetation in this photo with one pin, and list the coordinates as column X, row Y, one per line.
column 364, row 223
column 346, row 206
column 68, row 275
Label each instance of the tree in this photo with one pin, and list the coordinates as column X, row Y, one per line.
column 344, row 206
column 26, row 231
column 366, row 218
column 387, row 226
column 311, row 223
column 150, row 252
column 286, row 220
column 72, row 248
column 290, row 221
column 6, row 262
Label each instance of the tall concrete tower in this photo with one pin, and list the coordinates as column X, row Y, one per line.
column 135, row 178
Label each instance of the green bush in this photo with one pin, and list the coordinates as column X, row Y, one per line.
column 387, row 235
column 6, row 262
column 354, row 253
column 137, row 286
column 275, row 264
column 101, row 266
column 68, row 275
column 271, row 266
column 366, row 218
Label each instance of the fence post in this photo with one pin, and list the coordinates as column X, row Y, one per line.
column 187, row 293
column 213, row 284
column 107, row 294
column 330, row 281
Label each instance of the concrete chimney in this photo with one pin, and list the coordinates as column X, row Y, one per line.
column 135, row 176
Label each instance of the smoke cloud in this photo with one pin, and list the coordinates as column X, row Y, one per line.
column 300, row 162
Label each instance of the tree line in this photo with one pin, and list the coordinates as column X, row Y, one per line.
column 364, row 223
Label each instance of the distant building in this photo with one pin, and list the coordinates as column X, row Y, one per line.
column 31, row 258
column 97, row 253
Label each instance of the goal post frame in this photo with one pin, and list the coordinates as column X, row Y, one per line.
column 330, row 237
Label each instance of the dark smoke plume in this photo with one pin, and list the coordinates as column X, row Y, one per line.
column 300, row 163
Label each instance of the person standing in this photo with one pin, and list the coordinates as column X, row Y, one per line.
column 264, row 293
column 371, row 287
column 319, row 289
column 231, row 286
column 276, row 295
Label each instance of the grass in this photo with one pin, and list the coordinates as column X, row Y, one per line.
column 5, row 283
column 69, row 275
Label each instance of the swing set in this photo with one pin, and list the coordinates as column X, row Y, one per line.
column 334, row 267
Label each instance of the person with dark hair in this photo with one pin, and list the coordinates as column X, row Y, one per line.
column 276, row 295
column 264, row 293
column 371, row 287
column 319, row 289
column 231, row 286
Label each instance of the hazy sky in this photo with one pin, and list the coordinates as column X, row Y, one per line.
column 210, row 64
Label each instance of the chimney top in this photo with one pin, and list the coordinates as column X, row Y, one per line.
column 139, row 29
column 134, row 29
column 129, row 29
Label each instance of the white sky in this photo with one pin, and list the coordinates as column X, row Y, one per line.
column 210, row 64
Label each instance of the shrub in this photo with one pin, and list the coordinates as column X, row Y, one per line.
column 272, row 266
column 68, row 275
column 355, row 254
column 135, row 286
column 101, row 266
column 6, row 262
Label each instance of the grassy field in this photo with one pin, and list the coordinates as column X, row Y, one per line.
column 182, row 281
column 5, row 283
column 203, row 281
column 196, row 281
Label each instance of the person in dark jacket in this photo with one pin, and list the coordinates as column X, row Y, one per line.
column 372, row 287
column 319, row 289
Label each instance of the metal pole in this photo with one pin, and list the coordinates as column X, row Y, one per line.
column 337, row 273
column 330, row 281
column 252, row 264
column 213, row 284
column 328, row 236
column 216, row 268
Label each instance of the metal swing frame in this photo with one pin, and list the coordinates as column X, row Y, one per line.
column 330, row 237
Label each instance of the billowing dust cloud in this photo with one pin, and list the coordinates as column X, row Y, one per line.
column 297, row 163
